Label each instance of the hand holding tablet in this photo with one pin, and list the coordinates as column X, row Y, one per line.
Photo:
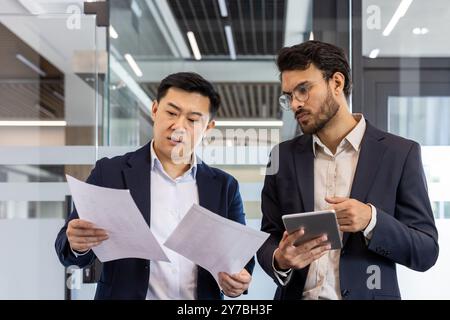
column 315, row 224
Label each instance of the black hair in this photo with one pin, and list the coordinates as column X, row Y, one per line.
column 190, row 82
column 326, row 57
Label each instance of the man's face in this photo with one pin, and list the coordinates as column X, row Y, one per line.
column 320, row 107
column 180, row 120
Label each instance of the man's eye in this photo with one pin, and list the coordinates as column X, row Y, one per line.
column 171, row 113
column 302, row 90
column 193, row 120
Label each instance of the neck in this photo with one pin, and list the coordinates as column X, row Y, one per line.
column 337, row 128
column 174, row 170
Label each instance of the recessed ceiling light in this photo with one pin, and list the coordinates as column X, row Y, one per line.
column 374, row 53
column 194, row 45
column 133, row 64
column 420, row 31
column 31, row 65
column 399, row 13
column 113, row 33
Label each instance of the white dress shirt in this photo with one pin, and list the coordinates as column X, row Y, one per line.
column 170, row 201
column 333, row 177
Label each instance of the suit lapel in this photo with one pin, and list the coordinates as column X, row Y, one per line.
column 304, row 171
column 209, row 188
column 370, row 157
column 137, row 180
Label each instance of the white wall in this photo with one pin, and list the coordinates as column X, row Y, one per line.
column 435, row 283
column 30, row 268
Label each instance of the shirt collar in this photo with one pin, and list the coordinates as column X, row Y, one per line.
column 156, row 163
column 354, row 137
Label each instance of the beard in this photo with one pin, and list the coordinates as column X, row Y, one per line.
column 318, row 121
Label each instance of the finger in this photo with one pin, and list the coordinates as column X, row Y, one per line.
column 319, row 255
column 293, row 237
column 344, row 222
column 340, row 207
column 87, row 239
column 285, row 235
column 95, row 244
column 87, row 232
column 232, row 293
column 232, row 284
column 242, row 278
column 335, row 200
column 316, row 253
column 222, row 283
column 308, row 246
column 78, row 223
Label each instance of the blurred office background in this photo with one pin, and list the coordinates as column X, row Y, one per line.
column 76, row 87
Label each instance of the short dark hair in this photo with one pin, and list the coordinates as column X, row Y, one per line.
column 190, row 82
column 326, row 57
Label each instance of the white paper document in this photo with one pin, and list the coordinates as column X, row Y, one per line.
column 115, row 211
column 215, row 243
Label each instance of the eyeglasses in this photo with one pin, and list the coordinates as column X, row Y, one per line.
column 300, row 93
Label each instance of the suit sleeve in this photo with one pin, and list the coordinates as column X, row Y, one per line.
column 271, row 223
column 408, row 236
column 62, row 246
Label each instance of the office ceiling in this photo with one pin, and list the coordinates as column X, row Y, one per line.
column 155, row 30
column 257, row 26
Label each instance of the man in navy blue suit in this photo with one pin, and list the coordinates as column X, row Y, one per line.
column 165, row 178
column 372, row 179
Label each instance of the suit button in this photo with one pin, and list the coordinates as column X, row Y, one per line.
column 345, row 293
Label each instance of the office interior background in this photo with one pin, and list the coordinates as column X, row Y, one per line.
column 75, row 87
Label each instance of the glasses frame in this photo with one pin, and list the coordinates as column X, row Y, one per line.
column 285, row 100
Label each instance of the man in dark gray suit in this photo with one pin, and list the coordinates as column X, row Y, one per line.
column 372, row 179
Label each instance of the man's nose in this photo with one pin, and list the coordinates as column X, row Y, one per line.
column 295, row 105
column 179, row 124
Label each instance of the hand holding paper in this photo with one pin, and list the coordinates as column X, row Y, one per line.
column 115, row 211
column 215, row 243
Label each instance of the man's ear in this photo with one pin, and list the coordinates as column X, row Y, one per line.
column 211, row 125
column 338, row 83
column 154, row 109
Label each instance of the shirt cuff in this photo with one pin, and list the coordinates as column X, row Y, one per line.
column 368, row 232
column 283, row 277
column 78, row 254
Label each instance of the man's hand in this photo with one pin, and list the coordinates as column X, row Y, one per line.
column 288, row 256
column 352, row 215
column 83, row 236
column 234, row 285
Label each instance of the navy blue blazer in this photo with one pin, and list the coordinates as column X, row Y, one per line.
column 128, row 278
column 390, row 176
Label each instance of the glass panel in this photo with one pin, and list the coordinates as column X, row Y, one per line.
column 405, row 28
column 51, row 99
column 423, row 119
column 408, row 38
column 426, row 120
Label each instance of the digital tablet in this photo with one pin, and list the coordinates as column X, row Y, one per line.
column 315, row 224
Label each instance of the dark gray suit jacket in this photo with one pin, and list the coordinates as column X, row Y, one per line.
column 128, row 278
column 390, row 176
